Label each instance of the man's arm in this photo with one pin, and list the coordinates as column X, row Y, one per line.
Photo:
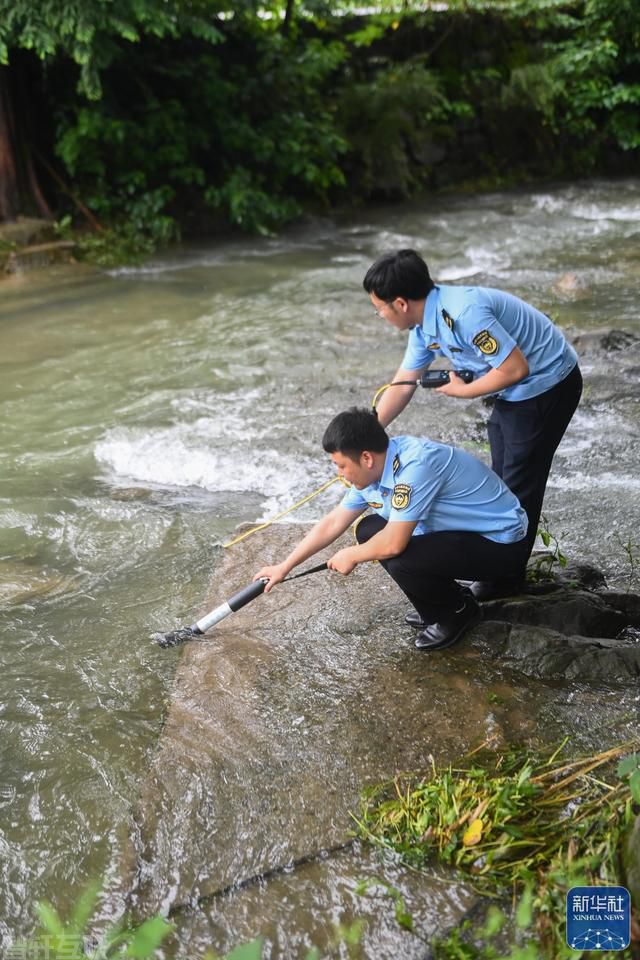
column 388, row 542
column 321, row 535
column 394, row 400
column 511, row 370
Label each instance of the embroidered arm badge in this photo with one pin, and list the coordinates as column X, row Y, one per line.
column 401, row 496
column 486, row 343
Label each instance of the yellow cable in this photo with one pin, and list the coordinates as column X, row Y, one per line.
column 248, row 533
column 377, row 394
column 262, row 526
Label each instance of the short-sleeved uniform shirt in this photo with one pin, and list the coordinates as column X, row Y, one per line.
column 443, row 488
column 478, row 327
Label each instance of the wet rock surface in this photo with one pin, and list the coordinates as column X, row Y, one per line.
column 565, row 628
column 289, row 708
column 21, row 582
column 279, row 718
column 541, row 652
column 608, row 339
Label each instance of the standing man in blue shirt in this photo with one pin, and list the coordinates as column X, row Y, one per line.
column 517, row 355
column 439, row 515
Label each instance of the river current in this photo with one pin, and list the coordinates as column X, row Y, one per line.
column 147, row 412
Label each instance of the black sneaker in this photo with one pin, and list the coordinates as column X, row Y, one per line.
column 437, row 636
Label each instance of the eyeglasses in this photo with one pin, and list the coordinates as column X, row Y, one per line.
column 379, row 315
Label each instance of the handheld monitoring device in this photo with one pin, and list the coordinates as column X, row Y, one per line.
column 430, row 378
column 437, row 378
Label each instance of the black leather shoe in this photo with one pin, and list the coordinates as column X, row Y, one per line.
column 414, row 620
column 437, row 636
column 496, row 589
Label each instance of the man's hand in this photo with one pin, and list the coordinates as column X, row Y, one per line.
column 456, row 386
column 513, row 369
column 343, row 561
column 274, row 574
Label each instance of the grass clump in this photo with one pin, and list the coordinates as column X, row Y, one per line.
column 519, row 825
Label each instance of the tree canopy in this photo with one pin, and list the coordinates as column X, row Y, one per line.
column 88, row 31
column 161, row 115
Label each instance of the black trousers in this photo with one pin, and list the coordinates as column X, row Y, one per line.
column 524, row 435
column 427, row 570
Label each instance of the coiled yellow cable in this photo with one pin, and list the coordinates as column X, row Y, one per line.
column 268, row 523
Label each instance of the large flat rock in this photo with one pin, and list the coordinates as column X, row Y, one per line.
column 277, row 721
column 288, row 709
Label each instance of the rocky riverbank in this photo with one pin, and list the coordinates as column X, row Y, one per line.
column 30, row 244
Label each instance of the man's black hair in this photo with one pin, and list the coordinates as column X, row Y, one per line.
column 353, row 431
column 400, row 274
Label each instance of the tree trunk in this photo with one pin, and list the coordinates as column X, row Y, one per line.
column 9, row 201
column 288, row 18
column 20, row 105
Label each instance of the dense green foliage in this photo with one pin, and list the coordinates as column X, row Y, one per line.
column 88, row 31
column 503, row 821
column 165, row 115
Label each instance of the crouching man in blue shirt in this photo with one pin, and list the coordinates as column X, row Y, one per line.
column 438, row 516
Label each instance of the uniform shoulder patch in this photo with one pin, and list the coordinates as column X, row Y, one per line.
column 448, row 319
column 401, row 496
column 396, row 463
column 486, row 343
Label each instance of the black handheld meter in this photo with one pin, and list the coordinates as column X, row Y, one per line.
column 437, row 378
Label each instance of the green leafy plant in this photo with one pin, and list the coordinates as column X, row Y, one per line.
column 403, row 917
column 245, row 951
column 630, row 768
column 88, row 32
column 632, row 553
column 504, row 824
column 543, row 564
column 396, row 123
column 599, row 99
column 71, row 940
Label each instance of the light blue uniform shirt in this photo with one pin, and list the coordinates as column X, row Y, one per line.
column 478, row 327
column 443, row 488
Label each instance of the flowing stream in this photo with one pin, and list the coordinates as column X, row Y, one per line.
column 147, row 412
